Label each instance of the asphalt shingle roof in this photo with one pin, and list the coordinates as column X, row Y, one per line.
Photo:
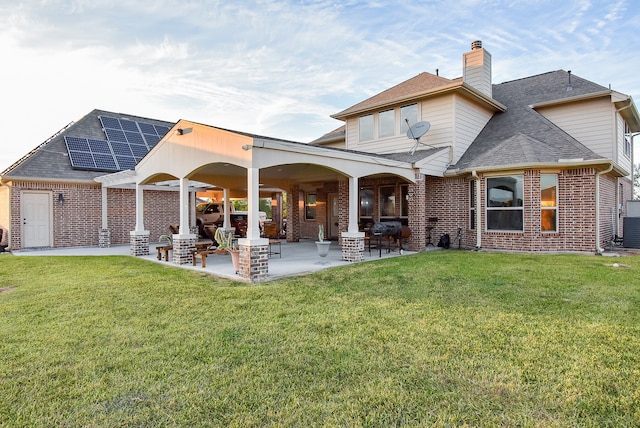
column 522, row 135
column 51, row 160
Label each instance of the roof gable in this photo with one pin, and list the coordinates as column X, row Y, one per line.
column 51, row 161
column 421, row 84
column 522, row 135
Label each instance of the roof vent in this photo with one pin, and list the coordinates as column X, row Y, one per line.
column 476, row 45
column 569, row 85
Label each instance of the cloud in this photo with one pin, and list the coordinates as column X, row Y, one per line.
column 280, row 68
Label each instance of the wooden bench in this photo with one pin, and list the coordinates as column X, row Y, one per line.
column 202, row 255
column 164, row 250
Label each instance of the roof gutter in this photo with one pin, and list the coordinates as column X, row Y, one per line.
column 599, row 250
column 565, row 164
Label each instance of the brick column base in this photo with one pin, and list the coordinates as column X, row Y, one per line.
column 353, row 246
column 139, row 242
column 254, row 259
column 183, row 246
column 104, row 238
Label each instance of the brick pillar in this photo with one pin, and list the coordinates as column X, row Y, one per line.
column 353, row 246
column 417, row 221
column 293, row 214
column 139, row 242
column 183, row 247
column 104, row 238
column 343, row 207
column 254, row 259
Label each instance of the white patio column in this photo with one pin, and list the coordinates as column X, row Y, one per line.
column 184, row 242
column 105, row 224
column 104, row 235
column 353, row 239
column 254, row 250
column 139, row 238
column 184, row 206
column 139, row 208
column 353, row 205
column 253, row 196
column 226, row 210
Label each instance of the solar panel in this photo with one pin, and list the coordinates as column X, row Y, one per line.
column 115, row 135
column 99, row 146
column 161, row 130
column 127, row 141
column 121, row 149
column 126, row 162
column 81, row 159
column 152, row 140
column 129, row 125
column 134, row 137
column 138, row 151
column 147, row 128
column 106, row 162
column 77, row 144
column 110, row 122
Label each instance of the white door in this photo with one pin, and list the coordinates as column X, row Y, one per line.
column 333, row 215
column 36, row 220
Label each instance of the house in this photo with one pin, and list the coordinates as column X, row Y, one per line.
column 541, row 163
column 49, row 197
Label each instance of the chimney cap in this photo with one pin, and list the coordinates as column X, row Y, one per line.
column 477, row 44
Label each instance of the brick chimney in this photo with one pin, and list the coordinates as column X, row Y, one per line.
column 476, row 68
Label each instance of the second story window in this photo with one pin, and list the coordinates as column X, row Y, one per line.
column 409, row 113
column 628, row 138
column 366, row 127
column 386, row 123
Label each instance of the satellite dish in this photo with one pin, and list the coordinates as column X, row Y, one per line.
column 416, row 131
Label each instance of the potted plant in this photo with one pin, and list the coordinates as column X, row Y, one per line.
column 226, row 244
column 323, row 246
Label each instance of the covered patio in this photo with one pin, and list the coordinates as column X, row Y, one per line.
column 298, row 258
column 237, row 162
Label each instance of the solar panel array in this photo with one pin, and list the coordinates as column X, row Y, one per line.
column 127, row 142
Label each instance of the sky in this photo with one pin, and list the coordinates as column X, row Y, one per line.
column 281, row 68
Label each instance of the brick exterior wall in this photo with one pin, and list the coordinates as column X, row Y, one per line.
column 77, row 221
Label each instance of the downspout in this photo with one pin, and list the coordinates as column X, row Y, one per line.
column 598, row 174
column 475, row 176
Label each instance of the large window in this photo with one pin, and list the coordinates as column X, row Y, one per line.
column 366, row 202
column 366, row 127
column 408, row 113
column 386, row 123
column 549, row 202
column 387, row 201
column 505, row 203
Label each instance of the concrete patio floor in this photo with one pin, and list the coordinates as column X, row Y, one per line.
column 298, row 258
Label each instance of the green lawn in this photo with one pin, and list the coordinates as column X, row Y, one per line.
column 444, row 338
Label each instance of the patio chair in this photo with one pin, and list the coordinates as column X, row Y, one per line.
column 270, row 231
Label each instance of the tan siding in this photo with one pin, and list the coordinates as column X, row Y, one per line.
column 470, row 120
column 622, row 160
column 590, row 122
column 437, row 111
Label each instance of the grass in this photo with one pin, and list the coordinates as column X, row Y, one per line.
column 448, row 338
